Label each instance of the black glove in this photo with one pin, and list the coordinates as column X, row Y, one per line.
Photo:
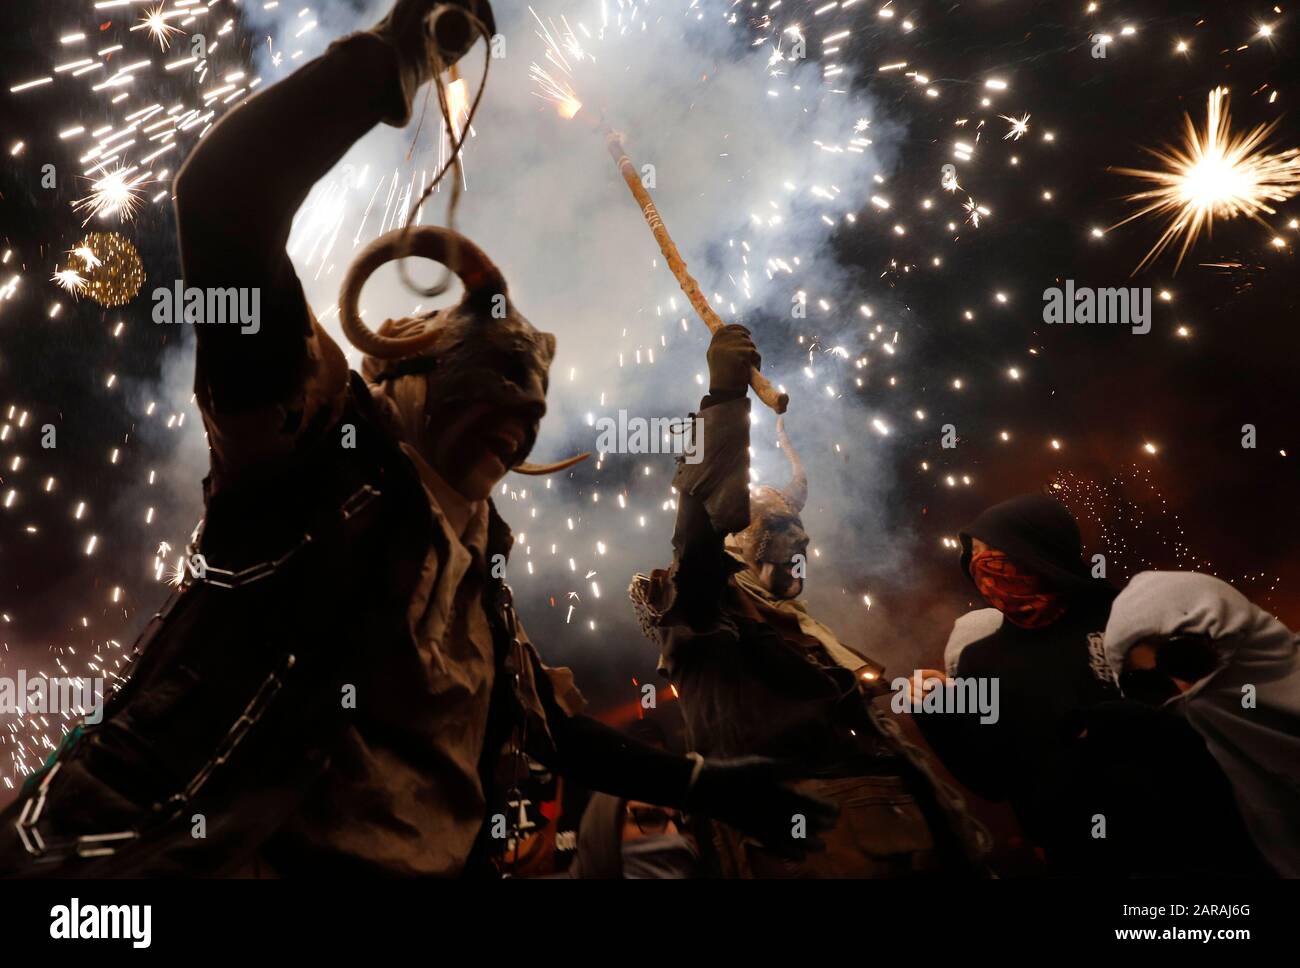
column 731, row 354
column 414, row 34
column 746, row 793
column 455, row 33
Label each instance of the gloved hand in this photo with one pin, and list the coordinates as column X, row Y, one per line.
column 747, row 794
column 415, row 34
column 731, row 354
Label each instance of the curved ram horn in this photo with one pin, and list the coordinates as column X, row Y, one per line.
column 481, row 278
column 536, row 470
column 796, row 492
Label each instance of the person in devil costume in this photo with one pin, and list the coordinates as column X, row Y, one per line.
column 757, row 674
column 340, row 685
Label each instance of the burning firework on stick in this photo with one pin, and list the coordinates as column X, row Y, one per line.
column 763, row 388
column 560, row 92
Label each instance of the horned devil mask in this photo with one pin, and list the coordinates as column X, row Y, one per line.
column 775, row 533
column 480, row 351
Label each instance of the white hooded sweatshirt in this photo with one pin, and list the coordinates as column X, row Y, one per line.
column 1257, row 744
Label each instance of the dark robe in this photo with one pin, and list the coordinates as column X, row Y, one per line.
column 751, row 681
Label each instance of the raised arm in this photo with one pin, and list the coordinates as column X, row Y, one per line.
column 263, row 386
column 713, row 490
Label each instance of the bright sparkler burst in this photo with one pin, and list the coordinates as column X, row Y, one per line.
column 1019, row 127
column 87, row 255
column 1214, row 173
column 113, row 193
column 556, row 87
column 155, row 21
column 556, row 90
column 975, row 211
column 70, row 280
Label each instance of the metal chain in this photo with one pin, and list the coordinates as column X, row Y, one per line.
column 101, row 845
column 227, row 578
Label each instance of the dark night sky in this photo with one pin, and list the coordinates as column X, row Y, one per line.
column 1102, row 390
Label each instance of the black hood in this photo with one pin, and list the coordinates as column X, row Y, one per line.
column 1040, row 534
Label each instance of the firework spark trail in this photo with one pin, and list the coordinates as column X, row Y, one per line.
column 1138, row 530
column 150, row 130
column 112, row 76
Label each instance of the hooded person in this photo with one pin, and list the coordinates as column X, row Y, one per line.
column 1232, row 671
column 1025, row 557
column 623, row 840
column 340, row 685
column 620, row 839
column 758, row 674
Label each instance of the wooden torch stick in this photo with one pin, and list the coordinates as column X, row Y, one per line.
column 763, row 388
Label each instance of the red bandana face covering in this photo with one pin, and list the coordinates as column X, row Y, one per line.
column 1021, row 596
